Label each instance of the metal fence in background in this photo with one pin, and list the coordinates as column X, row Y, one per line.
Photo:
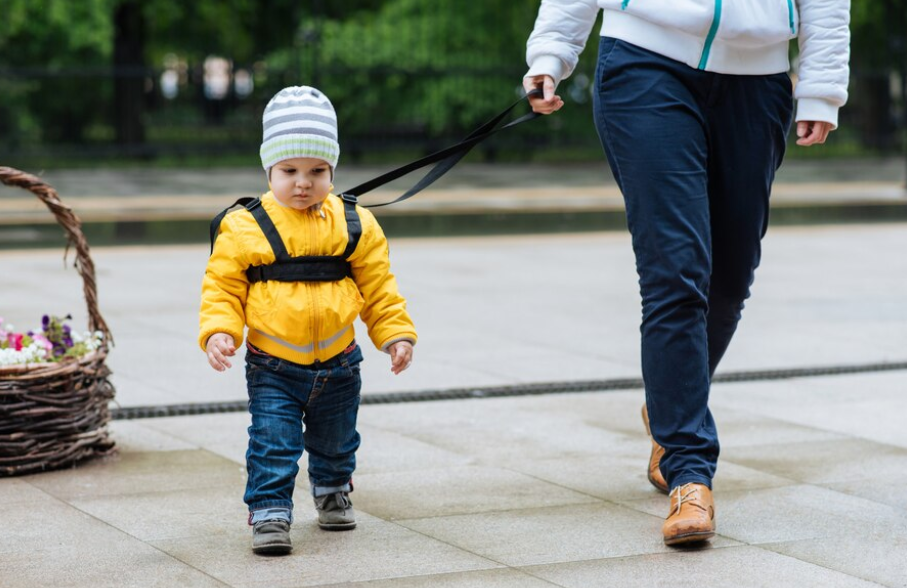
column 388, row 107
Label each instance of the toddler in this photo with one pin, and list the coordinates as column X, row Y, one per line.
column 295, row 268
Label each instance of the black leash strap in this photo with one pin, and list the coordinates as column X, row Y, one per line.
column 445, row 158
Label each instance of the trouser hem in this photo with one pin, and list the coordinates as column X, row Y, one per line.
column 325, row 490
column 691, row 479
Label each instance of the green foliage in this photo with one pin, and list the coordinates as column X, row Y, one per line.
column 425, row 69
column 876, row 29
column 433, row 71
column 418, row 66
column 241, row 30
column 56, row 33
column 55, row 36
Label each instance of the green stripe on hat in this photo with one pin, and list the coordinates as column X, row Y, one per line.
column 301, row 133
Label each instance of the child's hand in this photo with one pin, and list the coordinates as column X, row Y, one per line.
column 401, row 355
column 220, row 346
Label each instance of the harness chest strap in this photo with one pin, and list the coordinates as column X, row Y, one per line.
column 304, row 268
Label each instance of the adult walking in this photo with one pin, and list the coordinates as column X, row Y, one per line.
column 693, row 104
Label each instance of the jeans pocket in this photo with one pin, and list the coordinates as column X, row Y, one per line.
column 257, row 365
column 606, row 48
column 349, row 362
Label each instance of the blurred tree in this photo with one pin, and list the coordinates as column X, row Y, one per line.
column 129, row 67
column 422, row 68
column 56, row 42
column 55, row 56
column 878, row 50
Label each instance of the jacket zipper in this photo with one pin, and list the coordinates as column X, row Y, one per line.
column 790, row 16
column 713, row 30
column 313, row 286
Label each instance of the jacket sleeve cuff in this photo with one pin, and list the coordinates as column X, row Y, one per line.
column 547, row 65
column 816, row 109
column 205, row 335
column 410, row 338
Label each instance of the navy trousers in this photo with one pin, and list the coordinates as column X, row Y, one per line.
column 694, row 154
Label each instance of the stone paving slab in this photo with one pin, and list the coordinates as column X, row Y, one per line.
column 51, row 543
column 430, row 493
column 377, row 550
column 740, row 567
column 121, row 562
column 505, row 578
column 140, row 472
column 824, row 462
column 890, row 490
column 822, row 297
column 598, row 475
column 550, row 489
column 870, row 406
column 514, row 502
column 883, row 556
column 553, row 534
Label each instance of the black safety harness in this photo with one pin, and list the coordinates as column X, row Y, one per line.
column 333, row 268
column 303, row 268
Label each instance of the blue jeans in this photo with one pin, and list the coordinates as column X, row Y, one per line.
column 694, row 154
column 294, row 408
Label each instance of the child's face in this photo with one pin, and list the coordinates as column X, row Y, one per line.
column 301, row 182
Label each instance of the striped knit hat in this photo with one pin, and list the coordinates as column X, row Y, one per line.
column 299, row 121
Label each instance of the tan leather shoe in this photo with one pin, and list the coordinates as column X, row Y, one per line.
column 692, row 516
column 654, row 475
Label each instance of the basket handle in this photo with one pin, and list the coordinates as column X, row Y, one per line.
column 73, row 228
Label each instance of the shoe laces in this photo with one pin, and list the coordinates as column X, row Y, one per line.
column 281, row 523
column 340, row 499
column 685, row 494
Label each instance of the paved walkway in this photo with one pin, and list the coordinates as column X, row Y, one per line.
column 525, row 491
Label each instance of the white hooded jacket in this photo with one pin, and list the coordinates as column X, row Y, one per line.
column 746, row 37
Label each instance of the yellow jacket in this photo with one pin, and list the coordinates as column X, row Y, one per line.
column 301, row 321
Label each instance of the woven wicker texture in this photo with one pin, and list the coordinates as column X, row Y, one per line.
column 55, row 414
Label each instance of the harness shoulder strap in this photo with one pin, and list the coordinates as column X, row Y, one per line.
column 267, row 227
column 353, row 224
column 247, row 202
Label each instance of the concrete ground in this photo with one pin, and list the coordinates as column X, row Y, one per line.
column 527, row 491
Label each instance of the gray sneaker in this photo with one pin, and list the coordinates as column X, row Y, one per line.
column 271, row 537
column 335, row 512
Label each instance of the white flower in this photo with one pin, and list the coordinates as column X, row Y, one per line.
column 34, row 353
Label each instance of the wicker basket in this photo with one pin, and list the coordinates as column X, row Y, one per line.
column 55, row 414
